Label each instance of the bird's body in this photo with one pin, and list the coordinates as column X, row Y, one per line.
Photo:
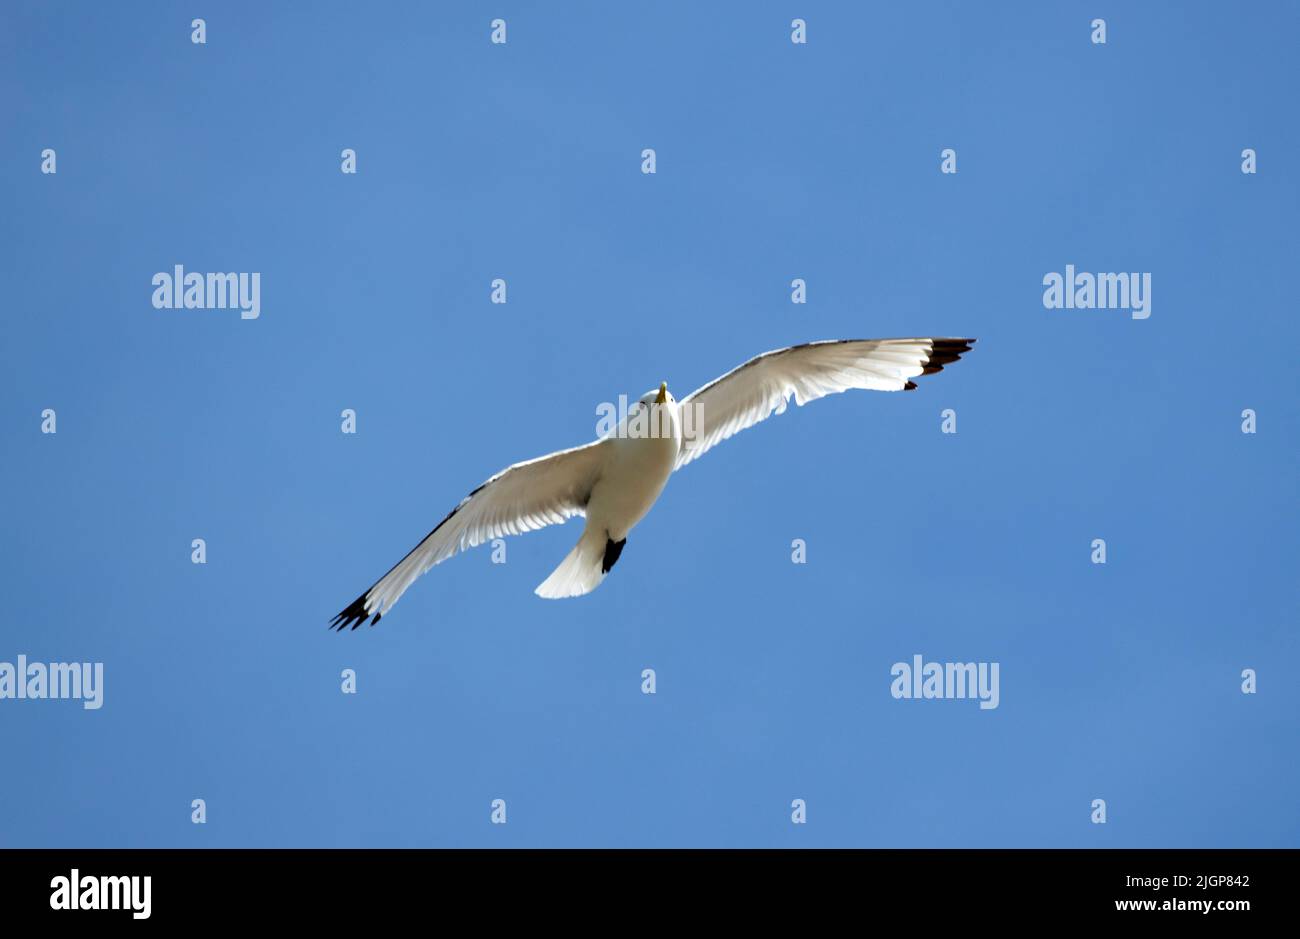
column 636, row 469
column 616, row 480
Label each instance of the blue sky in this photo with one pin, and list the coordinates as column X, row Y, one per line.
column 775, row 161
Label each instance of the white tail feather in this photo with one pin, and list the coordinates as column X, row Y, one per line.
column 580, row 571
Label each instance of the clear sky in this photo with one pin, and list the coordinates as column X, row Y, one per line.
column 775, row 161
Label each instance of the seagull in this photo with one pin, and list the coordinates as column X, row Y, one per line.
column 615, row 480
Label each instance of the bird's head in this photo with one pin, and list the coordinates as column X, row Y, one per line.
column 662, row 396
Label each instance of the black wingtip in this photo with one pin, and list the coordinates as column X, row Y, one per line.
column 942, row 352
column 354, row 614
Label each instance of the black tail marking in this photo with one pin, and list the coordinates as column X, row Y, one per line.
column 612, row 550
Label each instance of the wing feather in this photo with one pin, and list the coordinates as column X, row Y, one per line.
column 762, row 386
column 525, row 497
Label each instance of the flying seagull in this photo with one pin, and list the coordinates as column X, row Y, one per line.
column 615, row 480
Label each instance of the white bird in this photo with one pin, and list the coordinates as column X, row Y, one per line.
column 615, row 480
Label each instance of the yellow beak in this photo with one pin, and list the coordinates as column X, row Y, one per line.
column 663, row 393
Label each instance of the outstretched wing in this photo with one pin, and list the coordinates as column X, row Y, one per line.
column 762, row 386
column 524, row 497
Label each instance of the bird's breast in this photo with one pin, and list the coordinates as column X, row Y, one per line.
column 632, row 481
